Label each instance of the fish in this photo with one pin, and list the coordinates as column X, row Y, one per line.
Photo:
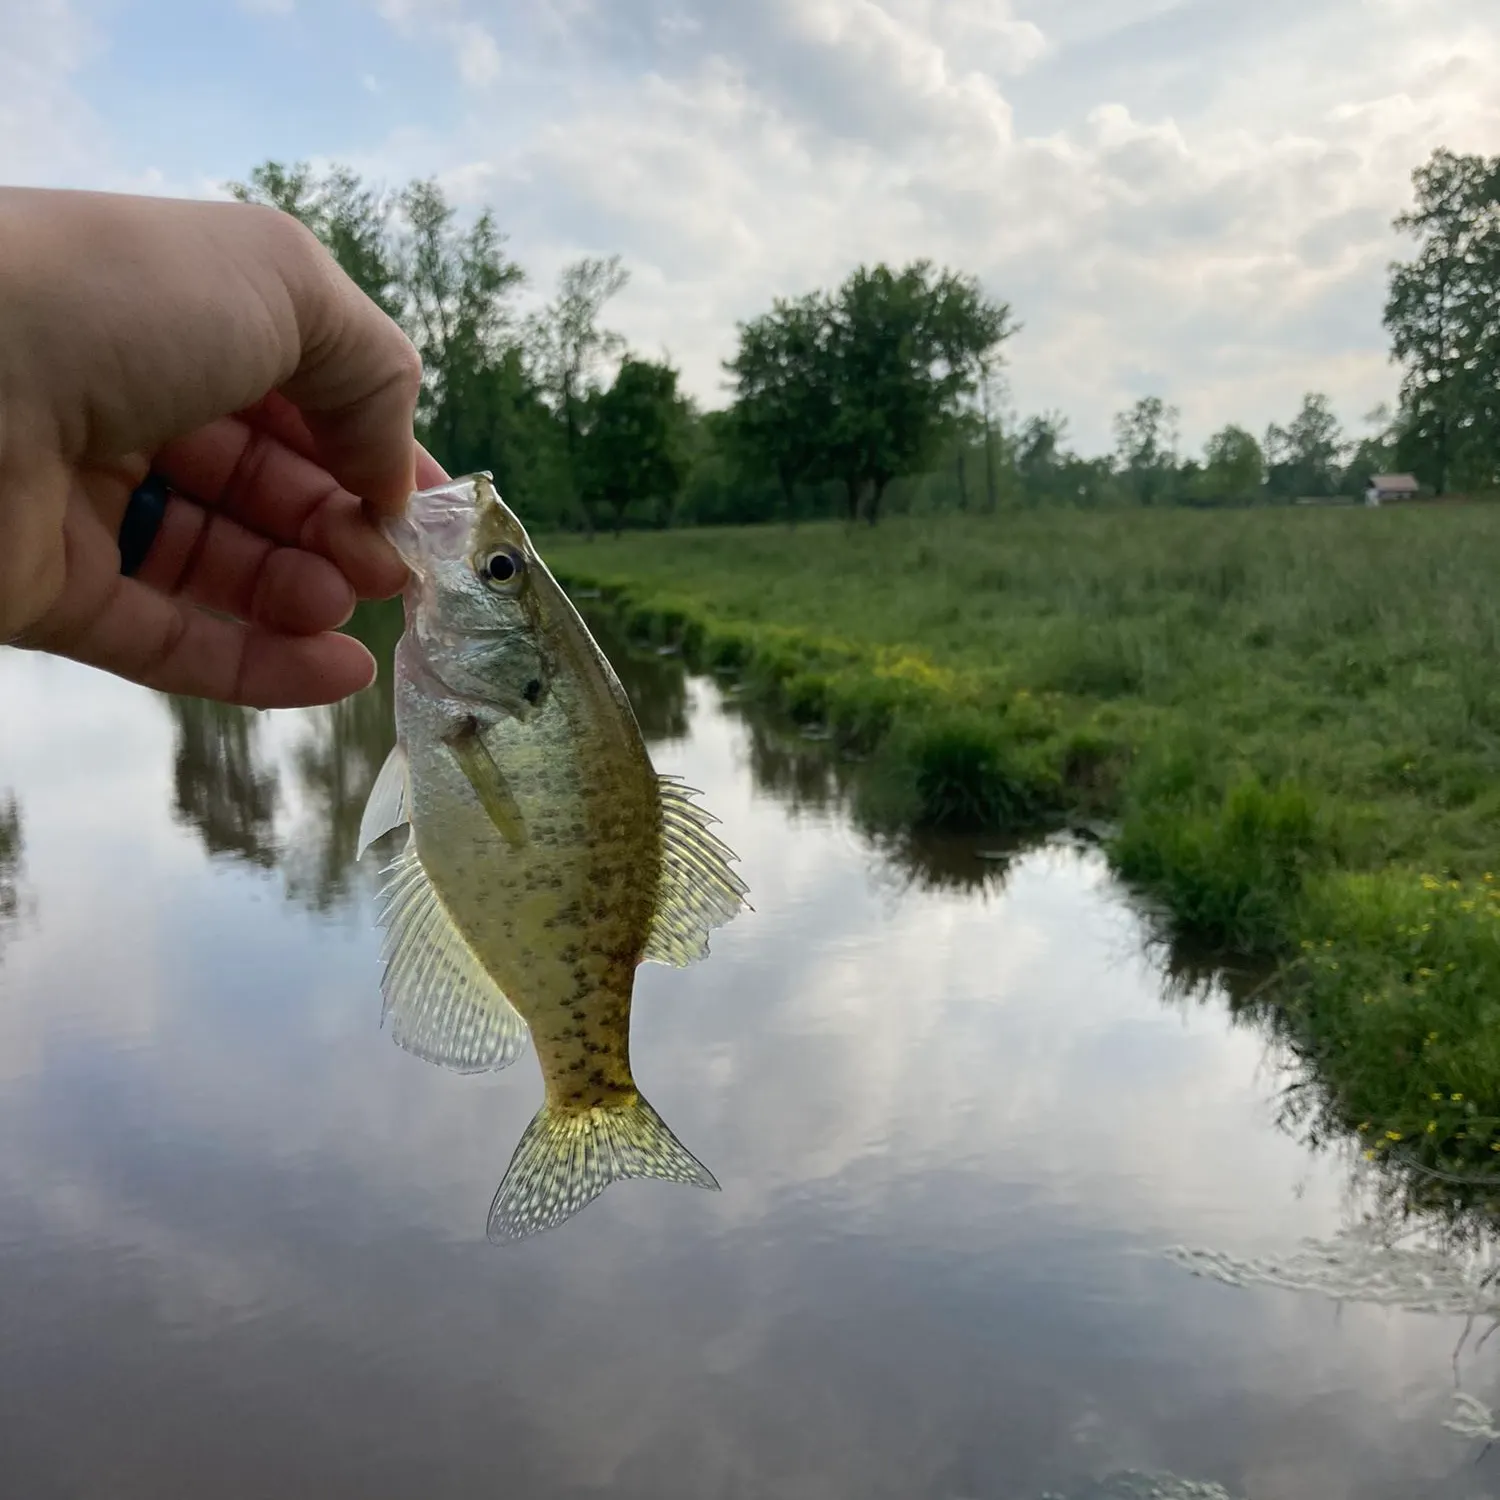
column 545, row 858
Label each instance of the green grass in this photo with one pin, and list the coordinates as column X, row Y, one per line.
column 1290, row 718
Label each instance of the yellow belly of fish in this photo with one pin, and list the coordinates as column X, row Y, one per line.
column 551, row 931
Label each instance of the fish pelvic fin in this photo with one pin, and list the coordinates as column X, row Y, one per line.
column 696, row 890
column 441, row 1002
column 567, row 1158
column 389, row 804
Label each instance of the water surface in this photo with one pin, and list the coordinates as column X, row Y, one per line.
column 955, row 1111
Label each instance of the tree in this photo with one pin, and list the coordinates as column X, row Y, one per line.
column 352, row 220
column 1375, row 453
column 450, row 289
column 1234, row 468
column 1443, row 314
column 904, row 349
column 567, row 345
column 866, row 383
column 784, row 407
column 633, row 446
column 725, row 486
column 456, row 285
column 499, row 421
column 1039, row 457
column 1146, row 449
column 1305, row 458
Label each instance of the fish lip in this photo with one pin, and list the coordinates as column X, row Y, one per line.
column 406, row 537
column 435, row 522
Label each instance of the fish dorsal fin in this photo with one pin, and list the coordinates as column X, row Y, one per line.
column 442, row 1005
column 696, row 891
column 389, row 805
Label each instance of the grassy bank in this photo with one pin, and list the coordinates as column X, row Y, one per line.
column 1290, row 719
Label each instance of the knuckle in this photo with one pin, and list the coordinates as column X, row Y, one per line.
column 406, row 365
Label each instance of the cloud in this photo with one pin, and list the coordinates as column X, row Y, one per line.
column 47, row 131
column 1208, row 215
column 1177, row 197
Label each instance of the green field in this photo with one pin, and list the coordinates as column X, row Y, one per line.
column 1289, row 721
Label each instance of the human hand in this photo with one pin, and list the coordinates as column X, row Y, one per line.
column 219, row 346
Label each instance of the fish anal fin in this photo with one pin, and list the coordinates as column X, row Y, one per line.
column 697, row 890
column 442, row 1005
column 567, row 1158
column 389, row 802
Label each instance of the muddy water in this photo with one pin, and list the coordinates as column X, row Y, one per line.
column 956, row 1114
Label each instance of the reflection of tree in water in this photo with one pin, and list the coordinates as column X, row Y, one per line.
column 1408, row 1187
column 806, row 775
column 1426, row 1239
column 227, row 787
column 336, row 766
column 218, row 787
column 656, row 684
column 809, row 774
column 11, row 848
column 932, row 863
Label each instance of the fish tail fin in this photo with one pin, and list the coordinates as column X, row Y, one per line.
column 567, row 1158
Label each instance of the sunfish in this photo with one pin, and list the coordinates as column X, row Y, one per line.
column 545, row 857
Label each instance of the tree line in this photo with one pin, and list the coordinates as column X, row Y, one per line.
column 885, row 392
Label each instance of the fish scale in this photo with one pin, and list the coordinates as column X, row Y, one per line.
column 545, row 858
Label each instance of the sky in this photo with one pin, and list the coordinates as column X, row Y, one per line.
column 1184, row 198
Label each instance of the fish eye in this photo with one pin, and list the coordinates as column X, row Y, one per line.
column 502, row 566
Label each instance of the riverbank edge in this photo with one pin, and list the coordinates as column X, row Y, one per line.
column 1384, row 984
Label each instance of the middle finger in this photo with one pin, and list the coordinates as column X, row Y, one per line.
column 250, row 477
column 219, row 564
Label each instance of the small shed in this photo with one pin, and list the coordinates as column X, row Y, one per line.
column 1384, row 487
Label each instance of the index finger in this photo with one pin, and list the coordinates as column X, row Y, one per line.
column 355, row 385
column 278, row 417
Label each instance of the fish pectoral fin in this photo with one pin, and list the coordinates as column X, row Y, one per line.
column 467, row 746
column 565, row 1160
column 389, row 804
column 442, row 1005
column 697, row 890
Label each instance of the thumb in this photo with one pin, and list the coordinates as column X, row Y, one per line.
column 356, row 385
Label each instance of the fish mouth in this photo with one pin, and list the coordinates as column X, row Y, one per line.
column 436, row 523
column 405, row 538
